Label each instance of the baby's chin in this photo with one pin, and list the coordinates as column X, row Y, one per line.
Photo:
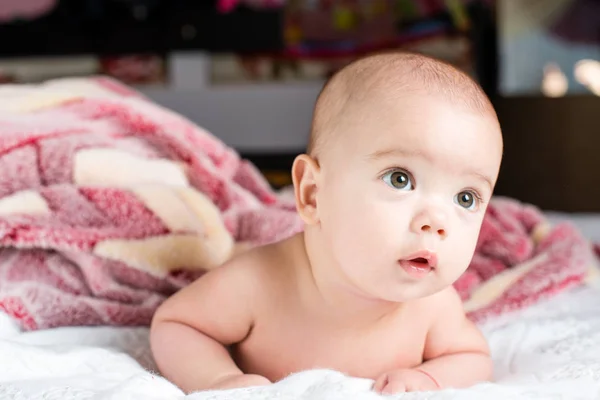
column 408, row 291
column 401, row 287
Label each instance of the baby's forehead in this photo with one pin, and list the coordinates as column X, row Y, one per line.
column 372, row 85
column 417, row 125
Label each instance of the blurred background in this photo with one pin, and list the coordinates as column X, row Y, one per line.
column 249, row 71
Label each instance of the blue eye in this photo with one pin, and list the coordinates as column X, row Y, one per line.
column 467, row 199
column 398, row 180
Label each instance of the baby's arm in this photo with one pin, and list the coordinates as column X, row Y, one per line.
column 191, row 330
column 456, row 353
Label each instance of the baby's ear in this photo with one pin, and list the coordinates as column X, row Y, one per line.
column 305, row 175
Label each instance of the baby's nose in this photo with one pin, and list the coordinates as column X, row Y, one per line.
column 430, row 228
column 431, row 222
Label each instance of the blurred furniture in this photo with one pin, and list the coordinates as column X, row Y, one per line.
column 139, row 26
column 269, row 124
column 552, row 145
column 552, row 151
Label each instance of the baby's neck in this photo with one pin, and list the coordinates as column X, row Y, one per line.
column 333, row 295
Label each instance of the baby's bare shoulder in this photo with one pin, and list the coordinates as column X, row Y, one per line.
column 450, row 330
column 441, row 305
column 446, row 301
column 222, row 303
column 253, row 272
column 247, row 273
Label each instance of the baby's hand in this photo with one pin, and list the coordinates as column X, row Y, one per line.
column 404, row 380
column 238, row 381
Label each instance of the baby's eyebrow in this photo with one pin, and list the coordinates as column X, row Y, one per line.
column 482, row 177
column 388, row 153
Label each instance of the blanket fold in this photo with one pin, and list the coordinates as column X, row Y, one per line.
column 109, row 203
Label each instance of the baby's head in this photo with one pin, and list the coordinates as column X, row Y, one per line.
column 403, row 158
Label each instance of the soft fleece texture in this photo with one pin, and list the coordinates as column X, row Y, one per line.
column 109, row 203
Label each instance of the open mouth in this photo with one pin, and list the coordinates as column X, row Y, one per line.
column 421, row 263
column 420, row 266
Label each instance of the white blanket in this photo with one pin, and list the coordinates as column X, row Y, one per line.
column 550, row 351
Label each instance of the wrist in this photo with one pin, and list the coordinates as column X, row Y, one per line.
column 225, row 376
column 427, row 374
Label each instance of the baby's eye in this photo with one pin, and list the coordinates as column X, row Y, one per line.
column 467, row 199
column 398, row 180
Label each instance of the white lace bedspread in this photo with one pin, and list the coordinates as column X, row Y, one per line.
column 550, row 351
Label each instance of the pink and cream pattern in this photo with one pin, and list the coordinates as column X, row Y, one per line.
column 109, row 203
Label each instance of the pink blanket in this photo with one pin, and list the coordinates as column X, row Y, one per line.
column 110, row 203
column 11, row 10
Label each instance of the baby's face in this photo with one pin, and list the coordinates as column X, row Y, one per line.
column 406, row 184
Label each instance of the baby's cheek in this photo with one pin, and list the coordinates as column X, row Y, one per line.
column 353, row 231
column 459, row 254
column 353, row 237
column 361, row 228
column 372, row 237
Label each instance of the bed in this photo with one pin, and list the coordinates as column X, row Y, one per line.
column 547, row 351
column 158, row 200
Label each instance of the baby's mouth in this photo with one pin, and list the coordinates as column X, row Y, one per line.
column 421, row 260
column 416, row 267
column 419, row 266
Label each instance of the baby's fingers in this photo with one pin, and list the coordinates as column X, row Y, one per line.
column 380, row 383
column 385, row 385
column 394, row 386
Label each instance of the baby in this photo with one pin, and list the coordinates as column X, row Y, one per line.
column 403, row 158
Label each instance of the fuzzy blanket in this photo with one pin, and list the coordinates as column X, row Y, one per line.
column 547, row 351
column 109, row 203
